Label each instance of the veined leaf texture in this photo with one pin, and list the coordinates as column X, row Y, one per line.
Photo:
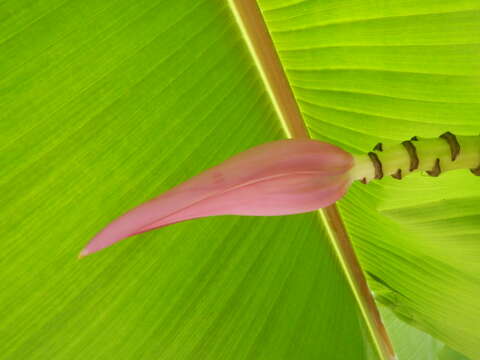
column 105, row 104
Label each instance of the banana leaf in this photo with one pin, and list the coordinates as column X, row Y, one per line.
column 103, row 105
column 365, row 72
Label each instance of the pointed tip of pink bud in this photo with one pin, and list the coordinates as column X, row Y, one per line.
column 278, row 178
column 83, row 253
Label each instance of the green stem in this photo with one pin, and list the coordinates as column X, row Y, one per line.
column 447, row 152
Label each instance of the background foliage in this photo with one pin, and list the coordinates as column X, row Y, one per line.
column 105, row 104
column 369, row 71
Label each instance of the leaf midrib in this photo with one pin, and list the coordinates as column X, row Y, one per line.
column 262, row 49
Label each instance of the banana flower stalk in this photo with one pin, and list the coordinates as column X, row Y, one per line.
column 288, row 177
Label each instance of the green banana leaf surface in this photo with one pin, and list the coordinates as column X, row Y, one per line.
column 105, row 104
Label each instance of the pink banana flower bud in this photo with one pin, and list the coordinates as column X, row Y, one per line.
column 278, row 178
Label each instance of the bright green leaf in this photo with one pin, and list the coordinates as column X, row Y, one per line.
column 370, row 71
column 449, row 354
column 410, row 343
column 103, row 105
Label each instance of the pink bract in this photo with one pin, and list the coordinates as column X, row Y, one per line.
column 278, row 178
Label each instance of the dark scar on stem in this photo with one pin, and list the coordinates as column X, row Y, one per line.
column 398, row 174
column 412, row 152
column 376, row 164
column 436, row 169
column 476, row 171
column 452, row 142
column 378, row 147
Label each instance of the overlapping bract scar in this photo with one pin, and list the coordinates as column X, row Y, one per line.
column 288, row 177
column 432, row 155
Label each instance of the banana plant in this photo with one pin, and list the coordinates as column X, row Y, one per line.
column 355, row 239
